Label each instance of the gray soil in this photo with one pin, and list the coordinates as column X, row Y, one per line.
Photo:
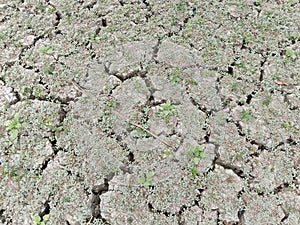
column 149, row 112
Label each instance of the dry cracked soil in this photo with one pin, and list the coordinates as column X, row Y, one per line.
column 149, row 112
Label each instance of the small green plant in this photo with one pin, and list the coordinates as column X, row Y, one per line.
column 47, row 121
column 289, row 127
column 48, row 50
column 52, row 9
column 147, row 180
column 246, row 115
column 267, row 101
column 295, row 37
column 195, row 83
column 258, row 3
column 12, row 172
column 175, row 75
column 166, row 111
column 291, row 54
column 239, row 155
column 48, row 69
column 13, row 128
column 37, row 220
column 240, row 64
column 38, row 91
column 137, row 86
column 189, row 29
column 180, row 6
column 26, row 91
column 167, row 152
column 111, row 104
column 14, row 123
column 129, row 220
column 196, row 153
column 234, row 87
column 94, row 37
column 59, row 129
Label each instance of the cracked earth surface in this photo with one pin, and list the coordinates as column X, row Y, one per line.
column 149, row 112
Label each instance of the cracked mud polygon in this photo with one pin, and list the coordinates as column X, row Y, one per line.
column 149, row 112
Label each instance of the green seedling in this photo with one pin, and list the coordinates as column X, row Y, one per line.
column 129, row 220
column 147, row 180
column 47, row 121
column 14, row 123
column 291, row 54
column 51, row 10
column 166, row 153
column 180, row 6
column 240, row 64
column 246, row 115
column 111, row 104
column 37, row 220
column 38, row 91
column 289, row 127
column 137, row 86
column 195, row 83
column 295, row 37
column 258, row 3
column 13, row 173
column 94, row 37
column 59, row 130
column 267, row 101
column 196, row 154
column 140, row 132
column 48, row 69
column 239, row 156
column 234, row 87
column 26, row 91
column 166, row 111
column 48, row 50
column 189, row 29
column 248, row 38
column 13, row 128
column 175, row 76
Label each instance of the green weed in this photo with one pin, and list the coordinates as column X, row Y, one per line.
column 267, row 101
column 291, row 54
column 234, row 87
column 51, row 10
column 196, row 153
column 111, row 104
column 40, row 221
column 13, row 128
column 14, row 123
column 246, row 115
column 180, row 6
column 93, row 37
column 48, row 69
column 295, row 37
column 48, row 50
column 289, row 127
column 12, row 172
column 142, row 119
column 175, row 75
column 166, row 111
column 167, row 152
column 147, row 180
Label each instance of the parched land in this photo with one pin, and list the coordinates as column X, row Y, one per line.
column 149, row 112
